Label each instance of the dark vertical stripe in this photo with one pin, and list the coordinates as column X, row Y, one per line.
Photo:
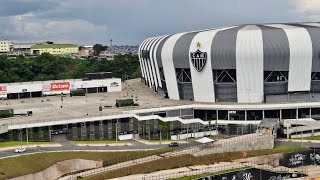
column 146, row 64
column 181, row 51
column 276, row 50
column 153, row 61
column 141, row 58
column 159, row 50
column 223, row 49
column 314, row 33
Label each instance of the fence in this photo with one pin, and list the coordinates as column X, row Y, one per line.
column 230, row 167
column 183, row 149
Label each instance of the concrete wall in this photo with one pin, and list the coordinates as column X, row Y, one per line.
column 262, row 143
column 3, row 128
column 194, row 135
column 61, row 168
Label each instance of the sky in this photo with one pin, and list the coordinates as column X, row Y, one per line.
column 129, row 22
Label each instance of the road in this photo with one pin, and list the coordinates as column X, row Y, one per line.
column 68, row 146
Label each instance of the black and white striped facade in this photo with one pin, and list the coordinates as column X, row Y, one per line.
column 243, row 63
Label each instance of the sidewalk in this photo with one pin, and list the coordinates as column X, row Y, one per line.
column 158, row 142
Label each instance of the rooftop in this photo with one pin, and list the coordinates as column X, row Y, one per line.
column 45, row 46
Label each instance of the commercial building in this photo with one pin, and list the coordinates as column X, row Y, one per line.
column 43, row 88
column 56, row 49
column 254, row 63
column 6, row 46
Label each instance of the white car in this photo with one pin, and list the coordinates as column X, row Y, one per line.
column 20, row 150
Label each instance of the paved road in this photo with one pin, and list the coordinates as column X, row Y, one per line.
column 68, row 146
column 79, row 148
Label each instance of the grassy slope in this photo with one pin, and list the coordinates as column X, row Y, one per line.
column 183, row 160
column 26, row 164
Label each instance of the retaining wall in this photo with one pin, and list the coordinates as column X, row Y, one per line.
column 61, row 168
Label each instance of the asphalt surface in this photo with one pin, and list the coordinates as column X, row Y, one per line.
column 68, row 146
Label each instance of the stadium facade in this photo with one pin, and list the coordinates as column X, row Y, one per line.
column 245, row 64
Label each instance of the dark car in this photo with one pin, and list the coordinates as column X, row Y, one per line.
column 174, row 144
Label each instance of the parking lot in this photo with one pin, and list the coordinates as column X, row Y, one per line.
column 57, row 108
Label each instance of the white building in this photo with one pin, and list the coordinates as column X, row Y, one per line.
column 6, row 46
column 41, row 88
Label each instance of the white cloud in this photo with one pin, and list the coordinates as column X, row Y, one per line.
column 29, row 26
column 312, row 6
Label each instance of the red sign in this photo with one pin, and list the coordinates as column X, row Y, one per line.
column 59, row 86
column 3, row 89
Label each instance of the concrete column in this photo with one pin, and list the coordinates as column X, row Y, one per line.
column 84, row 131
column 75, row 131
column 30, row 95
column 101, row 133
column 245, row 115
column 228, row 115
column 288, row 136
column 92, row 131
column 280, row 114
column 263, row 115
column 217, row 115
column 110, row 135
column 131, row 124
column 310, row 112
column 297, row 113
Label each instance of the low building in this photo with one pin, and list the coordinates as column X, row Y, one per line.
column 56, row 49
column 43, row 88
column 6, row 46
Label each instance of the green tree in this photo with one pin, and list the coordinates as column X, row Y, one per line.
column 97, row 48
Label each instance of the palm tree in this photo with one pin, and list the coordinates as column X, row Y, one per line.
column 150, row 123
column 163, row 126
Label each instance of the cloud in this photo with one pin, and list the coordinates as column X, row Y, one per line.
column 311, row 6
column 19, row 7
column 30, row 27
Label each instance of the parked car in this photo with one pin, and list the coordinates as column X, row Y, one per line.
column 174, row 144
column 20, row 150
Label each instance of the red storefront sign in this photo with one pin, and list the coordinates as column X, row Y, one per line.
column 59, row 86
column 3, row 89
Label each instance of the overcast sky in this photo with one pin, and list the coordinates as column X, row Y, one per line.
column 88, row 22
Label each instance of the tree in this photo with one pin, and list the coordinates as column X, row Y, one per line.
column 97, row 48
column 163, row 126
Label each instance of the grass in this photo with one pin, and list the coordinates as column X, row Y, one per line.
column 184, row 160
column 27, row 164
column 208, row 174
column 17, row 143
column 97, row 142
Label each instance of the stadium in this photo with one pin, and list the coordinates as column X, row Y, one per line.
column 261, row 63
